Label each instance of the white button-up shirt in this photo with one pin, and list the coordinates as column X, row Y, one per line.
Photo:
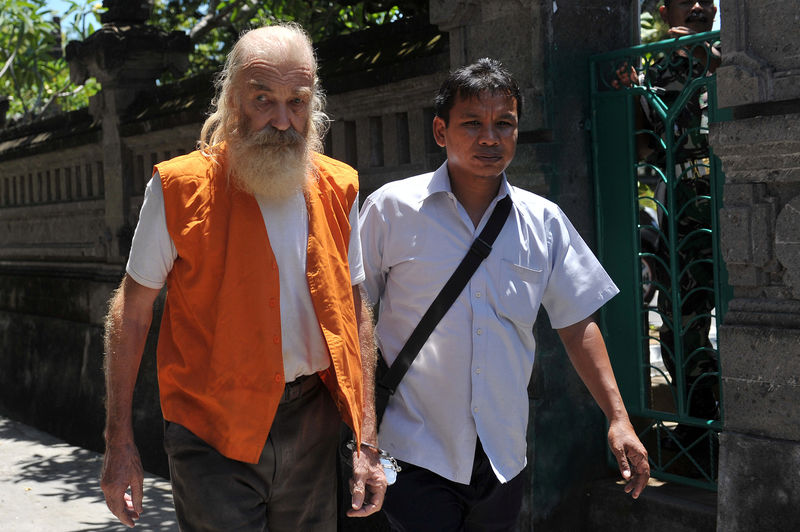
column 470, row 378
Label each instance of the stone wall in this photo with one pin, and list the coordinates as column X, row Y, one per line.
column 759, row 82
column 385, row 137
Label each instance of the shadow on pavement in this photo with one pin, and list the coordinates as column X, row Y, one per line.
column 61, row 483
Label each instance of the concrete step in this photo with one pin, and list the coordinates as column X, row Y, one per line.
column 662, row 507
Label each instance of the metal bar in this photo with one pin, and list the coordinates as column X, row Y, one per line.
column 660, row 46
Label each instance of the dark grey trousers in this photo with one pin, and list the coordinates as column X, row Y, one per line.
column 291, row 488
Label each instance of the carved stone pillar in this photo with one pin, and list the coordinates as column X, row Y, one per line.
column 759, row 81
column 126, row 56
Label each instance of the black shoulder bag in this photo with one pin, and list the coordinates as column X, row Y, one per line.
column 389, row 377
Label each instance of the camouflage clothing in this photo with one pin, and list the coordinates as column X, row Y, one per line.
column 694, row 252
column 696, row 291
column 667, row 78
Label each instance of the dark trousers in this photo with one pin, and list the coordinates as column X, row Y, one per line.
column 422, row 501
column 291, row 488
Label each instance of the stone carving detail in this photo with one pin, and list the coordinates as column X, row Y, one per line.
column 127, row 55
column 787, row 244
column 121, row 12
column 747, row 234
column 758, row 67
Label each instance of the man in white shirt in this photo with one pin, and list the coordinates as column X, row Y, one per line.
column 458, row 418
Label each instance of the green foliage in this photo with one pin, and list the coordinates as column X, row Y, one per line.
column 215, row 26
column 645, row 193
column 34, row 76
column 653, row 27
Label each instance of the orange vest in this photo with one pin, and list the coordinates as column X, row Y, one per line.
column 220, row 364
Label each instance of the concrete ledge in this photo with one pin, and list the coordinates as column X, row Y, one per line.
column 662, row 506
column 759, row 484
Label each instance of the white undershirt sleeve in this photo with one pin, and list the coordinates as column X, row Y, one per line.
column 152, row 250
column 357, row 275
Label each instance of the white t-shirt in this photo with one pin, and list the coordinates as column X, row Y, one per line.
column 470, row 378
column 304, row 351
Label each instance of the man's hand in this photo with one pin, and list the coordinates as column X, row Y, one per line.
column 703, row 54
column 627, row 77
column 588, row 355
column 368, row 484
column 631, row 456
column 680, row 31
column 122, row 469
column 129, row 316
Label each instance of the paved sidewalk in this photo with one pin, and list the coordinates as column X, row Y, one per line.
column 48, row 485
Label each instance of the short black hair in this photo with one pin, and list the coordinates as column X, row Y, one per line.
column 484, row 75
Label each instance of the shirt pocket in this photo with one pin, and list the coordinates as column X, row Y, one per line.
column 519, row 291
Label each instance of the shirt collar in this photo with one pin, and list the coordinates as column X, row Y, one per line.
column 440, row 183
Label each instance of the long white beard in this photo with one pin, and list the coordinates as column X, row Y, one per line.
column 270, row 163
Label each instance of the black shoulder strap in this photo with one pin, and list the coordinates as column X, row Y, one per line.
column 479, row 250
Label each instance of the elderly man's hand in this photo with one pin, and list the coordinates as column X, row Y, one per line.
column 631, row 456
column 368, row 484
column 122, row 469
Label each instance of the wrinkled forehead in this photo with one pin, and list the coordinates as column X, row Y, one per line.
column 280, row 56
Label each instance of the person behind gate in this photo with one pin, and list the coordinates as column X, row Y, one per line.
column 265, row 343
column 458, row 419
column 671, row 76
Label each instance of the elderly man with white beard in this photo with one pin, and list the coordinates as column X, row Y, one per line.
column 265, row 344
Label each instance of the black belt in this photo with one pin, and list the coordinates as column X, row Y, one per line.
column 298, row 387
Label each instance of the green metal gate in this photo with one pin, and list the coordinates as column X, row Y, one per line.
column 659, row 190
